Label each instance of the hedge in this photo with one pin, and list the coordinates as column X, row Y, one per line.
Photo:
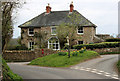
column 118, row 65
column 113, row 40
column 105, row 53
column 7, row 73
column 98, row 45
column 18, row 47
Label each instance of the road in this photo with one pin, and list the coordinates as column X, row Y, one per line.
column 99, row 68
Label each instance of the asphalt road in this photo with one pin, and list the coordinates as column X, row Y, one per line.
column 99, row 68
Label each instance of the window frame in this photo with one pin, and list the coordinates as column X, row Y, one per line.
column 29, row 46
column 52, row 30
column 80, row 30
column 30, row 31
column 80, row 41
column 57, row 44
column 54, row 46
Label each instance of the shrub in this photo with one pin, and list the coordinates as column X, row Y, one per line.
column 18, row 47
column 113, row 40
column 75, row 53
column 118, row 65
column 7, row 73
column 98, row 45
column 21, row 47
column 62, row 53
column 109, row 53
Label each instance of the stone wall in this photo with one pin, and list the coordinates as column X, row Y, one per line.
column 87, row 36
column 25, row 38
column 103, row 50
column 26, row 55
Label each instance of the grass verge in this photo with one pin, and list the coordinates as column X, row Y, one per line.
column 55, row 60
column 7, row 73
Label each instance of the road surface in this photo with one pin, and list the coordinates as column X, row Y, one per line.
column 99, row 68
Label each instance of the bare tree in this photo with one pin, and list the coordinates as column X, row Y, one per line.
column 7, row 22
column 67, row 30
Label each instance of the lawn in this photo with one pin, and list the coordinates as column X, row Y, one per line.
column 56, row 60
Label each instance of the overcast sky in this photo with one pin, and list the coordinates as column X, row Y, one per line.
column 103, row 13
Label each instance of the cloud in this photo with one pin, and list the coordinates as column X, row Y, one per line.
column 103, row 13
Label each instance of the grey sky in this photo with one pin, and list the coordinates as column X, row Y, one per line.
column 103, row 13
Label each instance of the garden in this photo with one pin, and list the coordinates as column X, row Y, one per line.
column 61, row 59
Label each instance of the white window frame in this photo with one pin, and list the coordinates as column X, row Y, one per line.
column 80, row 30
column 29, row 32
column 29, row 45
column 78, row 42
column 55, row 44
column 51, row 30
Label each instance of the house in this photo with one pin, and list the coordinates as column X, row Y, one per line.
column 48, row 21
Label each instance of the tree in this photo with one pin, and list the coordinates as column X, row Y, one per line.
column 68, row 29
column 7, row 22
column 40, row 37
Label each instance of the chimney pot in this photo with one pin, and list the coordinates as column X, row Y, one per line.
column 48, row 8
column 71, row 6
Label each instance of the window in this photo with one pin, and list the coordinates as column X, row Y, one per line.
column 53, row 30
column 31, row 45
column 31, row 32
column 80, row 42
column 80, row 30
column 53, row 43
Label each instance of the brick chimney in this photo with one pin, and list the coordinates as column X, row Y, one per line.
column 71, row 6
column 48, row 8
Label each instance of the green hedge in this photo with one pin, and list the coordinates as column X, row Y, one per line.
column 113, row 40
column 98, row 45
column 109, row 53
column 8, row 75
column 17, row 47
column 118, row 65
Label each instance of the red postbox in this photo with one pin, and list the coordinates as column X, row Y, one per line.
column 42, row 51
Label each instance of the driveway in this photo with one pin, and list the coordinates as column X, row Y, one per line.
column 99, row 68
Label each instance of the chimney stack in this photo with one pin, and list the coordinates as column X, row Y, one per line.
column 48, row 8
column 71, row 6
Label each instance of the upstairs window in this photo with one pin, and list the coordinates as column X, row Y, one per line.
column 80, row 30
column 53, row 31
column 80, row 42
column 31, row 32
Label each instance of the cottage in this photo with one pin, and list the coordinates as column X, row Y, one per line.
column 48, row 21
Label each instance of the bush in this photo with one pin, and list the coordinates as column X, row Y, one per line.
column 21, row 47
column 62, row 53
column 113, row 40
column 118, row 65
column 98, row 45
column 8, row 74
column 109, row 53
column 18, row 47
column 75, row 53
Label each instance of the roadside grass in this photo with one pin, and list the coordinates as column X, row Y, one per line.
column 55, row 60
column 107, row 53
column 118, row 66
column 7, row 73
